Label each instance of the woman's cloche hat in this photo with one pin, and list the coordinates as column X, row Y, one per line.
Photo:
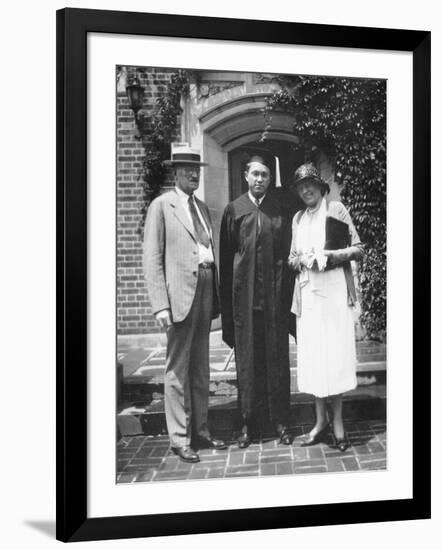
column 181, row 153
column 307, row 172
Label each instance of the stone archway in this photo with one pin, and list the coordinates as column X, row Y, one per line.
column 241, row 119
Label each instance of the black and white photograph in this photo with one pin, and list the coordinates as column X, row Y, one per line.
column 242, row 227
column 251, row 274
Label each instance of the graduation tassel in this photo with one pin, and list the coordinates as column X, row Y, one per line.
column 277, row 173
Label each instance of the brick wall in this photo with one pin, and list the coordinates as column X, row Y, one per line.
column 134, row 314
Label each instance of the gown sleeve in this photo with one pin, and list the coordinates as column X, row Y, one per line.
column 227, row 253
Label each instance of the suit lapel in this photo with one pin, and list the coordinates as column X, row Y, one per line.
column 181, row 214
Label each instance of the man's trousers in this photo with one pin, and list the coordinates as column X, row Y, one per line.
column 186, row 381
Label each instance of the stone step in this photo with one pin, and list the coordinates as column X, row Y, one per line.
column 148, row 388
column 143, row 363
column 156, row 378
column 145, row 341
column 364, row 403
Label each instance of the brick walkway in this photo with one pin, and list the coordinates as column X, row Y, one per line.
column 148, row 458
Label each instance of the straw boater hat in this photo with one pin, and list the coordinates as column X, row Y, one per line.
column 183, row 154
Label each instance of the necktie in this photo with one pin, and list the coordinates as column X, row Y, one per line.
column 201, row 233
column 258, row 214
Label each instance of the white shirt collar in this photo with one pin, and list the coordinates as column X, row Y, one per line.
column 254, row 199
column 181, row 193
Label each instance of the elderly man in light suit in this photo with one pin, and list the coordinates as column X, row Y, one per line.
column 183, row 289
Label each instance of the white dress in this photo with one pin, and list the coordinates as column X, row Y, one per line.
column 325, row 324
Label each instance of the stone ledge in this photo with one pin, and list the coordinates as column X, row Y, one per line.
column 363, row 403
column 370, row 368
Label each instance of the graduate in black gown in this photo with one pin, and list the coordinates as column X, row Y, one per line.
column 255, row 302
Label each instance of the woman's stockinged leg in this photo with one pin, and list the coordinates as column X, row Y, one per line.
column 338, row 423
column 321, row 415
column 317, row 434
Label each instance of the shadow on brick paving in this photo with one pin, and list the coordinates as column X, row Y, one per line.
column 149, row 458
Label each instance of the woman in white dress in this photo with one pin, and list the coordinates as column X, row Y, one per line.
column 323, row 299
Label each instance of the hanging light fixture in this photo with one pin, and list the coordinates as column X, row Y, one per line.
column 135, row 94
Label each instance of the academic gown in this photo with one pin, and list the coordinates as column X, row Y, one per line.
column 238, row 237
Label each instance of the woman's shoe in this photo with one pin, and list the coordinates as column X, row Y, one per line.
column 342, row 444
column 315, row 439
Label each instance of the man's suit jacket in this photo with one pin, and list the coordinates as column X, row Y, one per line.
column 171, row 256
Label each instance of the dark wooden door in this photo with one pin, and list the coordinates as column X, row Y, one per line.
column 290, row 157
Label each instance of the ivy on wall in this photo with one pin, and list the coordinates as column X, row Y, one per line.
column 346, row 119
column 161, row 129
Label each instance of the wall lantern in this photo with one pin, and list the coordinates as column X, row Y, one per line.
column 135, row 93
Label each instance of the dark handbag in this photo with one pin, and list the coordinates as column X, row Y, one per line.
column 337, row 234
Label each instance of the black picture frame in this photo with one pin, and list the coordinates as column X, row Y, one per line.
column 73, row 26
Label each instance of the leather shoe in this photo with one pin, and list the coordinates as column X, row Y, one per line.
column 186, row 454
column 313, row 440
column 285, row 437
column 342, row 444
column 244, row 440
column 208, row 443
